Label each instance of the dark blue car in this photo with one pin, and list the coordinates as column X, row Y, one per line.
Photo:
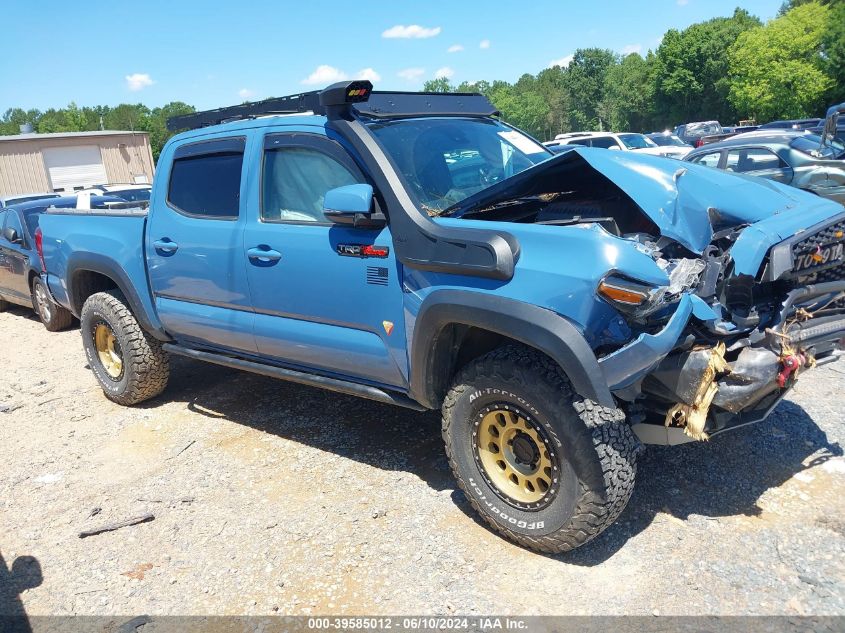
column 20, row 267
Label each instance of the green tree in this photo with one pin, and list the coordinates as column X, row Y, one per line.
column 69, row 119
column 586, row 80
column 13, row 118
column 778, row 71
column 159, row 134
column 628, row 102
column 691, row 69
column 440, row 84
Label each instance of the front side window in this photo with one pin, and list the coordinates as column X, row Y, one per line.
column 13, row 222
column 295, row 182
column 446, row 160
column 207, row 183
column 752, row 159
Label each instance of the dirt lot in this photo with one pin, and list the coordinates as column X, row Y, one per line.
column 274, row 498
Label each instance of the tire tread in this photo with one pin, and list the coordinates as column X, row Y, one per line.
column 149, row 363
column 615, row 444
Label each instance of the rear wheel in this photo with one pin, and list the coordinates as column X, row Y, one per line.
column 543, row 466
column 54, row 317
column 129, row 364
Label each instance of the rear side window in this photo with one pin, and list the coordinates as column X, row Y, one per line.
column 753, row 159
column 605, row 142
column 205, row 179
column 578, row 141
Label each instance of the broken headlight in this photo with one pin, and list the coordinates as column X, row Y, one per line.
column 636, row 298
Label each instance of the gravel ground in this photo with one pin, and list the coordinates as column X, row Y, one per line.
column 271, row 498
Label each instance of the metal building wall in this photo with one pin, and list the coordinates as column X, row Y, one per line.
column 22, row 168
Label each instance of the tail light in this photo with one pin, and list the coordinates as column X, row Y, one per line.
column 699, row 142
column 39, row 247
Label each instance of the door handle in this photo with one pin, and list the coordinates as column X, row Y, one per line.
column 166, row 245
column 263, row 255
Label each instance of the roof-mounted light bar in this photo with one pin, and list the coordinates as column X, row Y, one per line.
column 340, row 100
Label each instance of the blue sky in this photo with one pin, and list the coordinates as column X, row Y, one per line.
column 212, row 54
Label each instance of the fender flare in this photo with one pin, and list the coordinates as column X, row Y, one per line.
column 98, row 263
column 532, row 325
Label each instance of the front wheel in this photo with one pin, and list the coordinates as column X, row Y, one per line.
column 129, row 364
column 54, row 317
column 543, row 466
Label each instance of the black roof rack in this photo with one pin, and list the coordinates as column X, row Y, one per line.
column 338, row 99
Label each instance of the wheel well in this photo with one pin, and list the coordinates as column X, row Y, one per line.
column 454, row 347
column 31, row 278
column 86, row 283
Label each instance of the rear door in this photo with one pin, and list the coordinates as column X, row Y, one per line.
column 195, row 245
column 319, row 304
column 13, row 278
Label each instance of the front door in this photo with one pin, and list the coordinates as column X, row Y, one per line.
column 320, row 301
column 195, row 246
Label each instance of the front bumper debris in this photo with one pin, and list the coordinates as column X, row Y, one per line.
column 704, row 390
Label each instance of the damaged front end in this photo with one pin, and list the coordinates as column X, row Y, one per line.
column 737, row 286
column 739, row 351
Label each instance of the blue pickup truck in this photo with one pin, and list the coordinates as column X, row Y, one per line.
column 414, row 249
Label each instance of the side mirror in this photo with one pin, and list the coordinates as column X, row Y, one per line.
column 12, row 236
column 831, row 118
column 352, row 205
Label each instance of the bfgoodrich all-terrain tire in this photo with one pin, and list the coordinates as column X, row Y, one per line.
column 54, row 317
column 544, row 467
column 129, row 364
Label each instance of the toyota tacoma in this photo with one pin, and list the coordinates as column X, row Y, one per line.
column 413, row 248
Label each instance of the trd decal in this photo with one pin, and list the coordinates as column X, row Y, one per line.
column 362, row 250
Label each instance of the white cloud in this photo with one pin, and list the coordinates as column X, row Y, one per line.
column 563, row 62
column 411, row 74
column 324, row 74
column 138, row 81
column 444, row 72
column 683, row 3
column 412, row 31
column 246, row 93
column 632, row 48
column 455, row 48
column 369, row 74
column 484, row 44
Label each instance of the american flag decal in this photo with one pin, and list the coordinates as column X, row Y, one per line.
column 377, row 275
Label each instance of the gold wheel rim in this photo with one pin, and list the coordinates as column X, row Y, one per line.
column 516, row 459
column 105, row 342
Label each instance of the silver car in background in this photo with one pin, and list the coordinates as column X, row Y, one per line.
column 793, row 157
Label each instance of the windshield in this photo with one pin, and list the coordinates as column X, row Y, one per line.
column 637, row 141
column 446, row 160
column 811, row 144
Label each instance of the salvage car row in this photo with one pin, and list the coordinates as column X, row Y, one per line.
column 560, row 310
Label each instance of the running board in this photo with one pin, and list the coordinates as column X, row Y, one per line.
column 303, row 378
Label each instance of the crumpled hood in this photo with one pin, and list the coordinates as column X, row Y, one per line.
column 678, row 197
